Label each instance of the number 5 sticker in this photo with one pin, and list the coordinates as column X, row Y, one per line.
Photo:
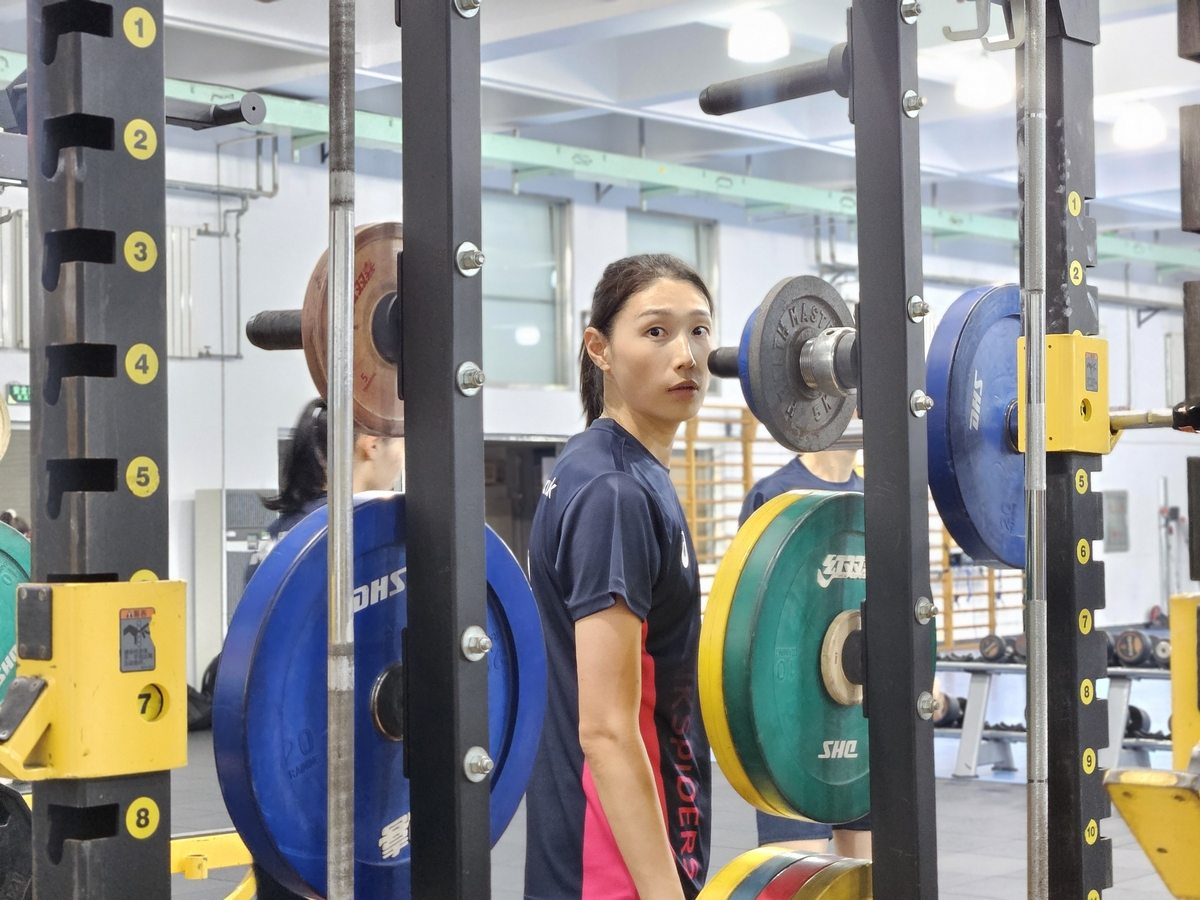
column 142, row 476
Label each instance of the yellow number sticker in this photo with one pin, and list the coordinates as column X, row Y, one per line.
column 1074, row 203
column 142, row 476
column 1089, row 760
column 1085, row 621
column 141, row 364
column 140, row 251
column 1093, row 894
column 140, row 139
column 1092, row 832
column 143, row 575
column 1081, row 481
column 140, row 27
column 1083, row 551
column 1076, row 272
column 151, row 702
column 1087, row 691
column 141, row 819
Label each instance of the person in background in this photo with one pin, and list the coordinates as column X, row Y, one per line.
column 829, row 470
column 378, row 462
column 618, row 805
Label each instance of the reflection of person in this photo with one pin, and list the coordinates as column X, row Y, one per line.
column 830, row 470
column 618, row 805
column 10, row 518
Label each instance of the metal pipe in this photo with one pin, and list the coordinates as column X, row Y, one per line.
column 1034, row 316
column 340, row 808
column 765, row 88
column 1125, row 420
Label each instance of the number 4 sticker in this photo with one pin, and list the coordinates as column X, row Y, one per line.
column 141, row 364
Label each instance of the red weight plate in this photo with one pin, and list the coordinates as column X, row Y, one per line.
column 785, row 885
column 377, row 407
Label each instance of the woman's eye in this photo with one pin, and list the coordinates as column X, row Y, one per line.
column 701, row 331
column 656, row 331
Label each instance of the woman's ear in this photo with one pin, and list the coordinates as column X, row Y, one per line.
column 597, row 348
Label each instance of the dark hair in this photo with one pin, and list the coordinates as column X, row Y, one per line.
column 9, row 517
column 620, row 281
column 302, row 479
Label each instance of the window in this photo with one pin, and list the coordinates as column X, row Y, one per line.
column 687, row 239
column 523, row 333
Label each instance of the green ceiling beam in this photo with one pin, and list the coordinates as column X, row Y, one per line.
column 651, row 177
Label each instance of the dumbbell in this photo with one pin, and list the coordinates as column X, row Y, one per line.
column 1137, row 722
column 378, row 407
column 996, row 649
column 1135, row 647
column 797, row 363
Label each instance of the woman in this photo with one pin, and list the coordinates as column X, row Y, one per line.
column 618, row 805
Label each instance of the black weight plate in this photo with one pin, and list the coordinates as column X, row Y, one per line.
column 16, row 846
column 801, row 418
column 1133, row 647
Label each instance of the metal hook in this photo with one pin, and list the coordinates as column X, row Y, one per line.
column 983, row 21
column 1014, row 19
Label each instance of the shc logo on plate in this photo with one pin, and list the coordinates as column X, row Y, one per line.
column 839, row 750
column 838, row 565
column 380, row 589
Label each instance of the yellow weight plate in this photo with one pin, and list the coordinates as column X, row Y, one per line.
column 725, row 882
column 712, row 647
column 846, row 879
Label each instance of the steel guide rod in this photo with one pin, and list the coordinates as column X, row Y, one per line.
column 1033, row 314
column 340, row 739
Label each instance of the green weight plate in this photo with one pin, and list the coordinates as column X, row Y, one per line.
column 806, row 753
column 14, row 570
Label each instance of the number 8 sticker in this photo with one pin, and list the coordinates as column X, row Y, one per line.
column 142, row 476
column 141, row 819
column 1086, row 691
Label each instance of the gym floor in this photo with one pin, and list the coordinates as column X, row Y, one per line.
column 981, row 836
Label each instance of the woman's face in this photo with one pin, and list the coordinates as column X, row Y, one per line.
column 657, row 356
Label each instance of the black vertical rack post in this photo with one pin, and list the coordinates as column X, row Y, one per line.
column 442, row 335
column 1080, row 859
column 885, row 112
column 99, row 387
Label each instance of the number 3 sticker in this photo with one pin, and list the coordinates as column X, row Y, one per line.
column 142, row 476
column 140, row 251
column 141, row 819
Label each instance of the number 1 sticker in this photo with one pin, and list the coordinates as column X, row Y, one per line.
column 139, row 27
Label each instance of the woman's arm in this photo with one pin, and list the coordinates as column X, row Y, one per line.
column 608, row 656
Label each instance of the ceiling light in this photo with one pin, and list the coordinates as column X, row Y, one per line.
column 528, row 335
column 1139, row 125
column 759, row 35
column 984, row 84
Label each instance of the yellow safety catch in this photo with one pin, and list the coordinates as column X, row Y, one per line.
column 101, row 687
column 1185, row 716
column 1162, row 809
column 1076, row 394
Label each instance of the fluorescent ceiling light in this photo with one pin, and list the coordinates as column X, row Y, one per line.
column 759, row 35
column 1139, row 125
column 984, row 84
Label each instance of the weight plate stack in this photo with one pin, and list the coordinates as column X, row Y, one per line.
column 269, row 715
column 775, row 873
column 976, row 475
column 804, row 754
column 14, row 570
column 16, row 845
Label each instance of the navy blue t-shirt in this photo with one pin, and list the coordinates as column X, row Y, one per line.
column 795, row 476
column 609, row 522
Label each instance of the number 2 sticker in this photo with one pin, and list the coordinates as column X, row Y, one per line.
column 1076, row 272
column 140, row 139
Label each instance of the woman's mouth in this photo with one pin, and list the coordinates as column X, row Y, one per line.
column 690, row 388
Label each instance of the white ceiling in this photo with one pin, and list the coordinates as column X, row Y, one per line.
column 585, row 71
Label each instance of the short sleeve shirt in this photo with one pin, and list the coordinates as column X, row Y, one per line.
column 610, row 523
column 795, row 476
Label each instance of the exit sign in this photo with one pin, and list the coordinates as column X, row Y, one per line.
column 18, row 393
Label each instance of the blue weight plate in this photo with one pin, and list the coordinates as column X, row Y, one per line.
column 269, row 711
column 744, row 362
column 975, row 474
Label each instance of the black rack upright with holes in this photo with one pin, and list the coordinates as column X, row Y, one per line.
column 442, row 316
column 98, row 371
column 899, row 662
column 1077, row 656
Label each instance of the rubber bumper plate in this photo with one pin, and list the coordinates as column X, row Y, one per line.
column 975, row 473
column 805, row 753
column 16, row 845
column 269, row 711
column 14, row 570
column 774, row 873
